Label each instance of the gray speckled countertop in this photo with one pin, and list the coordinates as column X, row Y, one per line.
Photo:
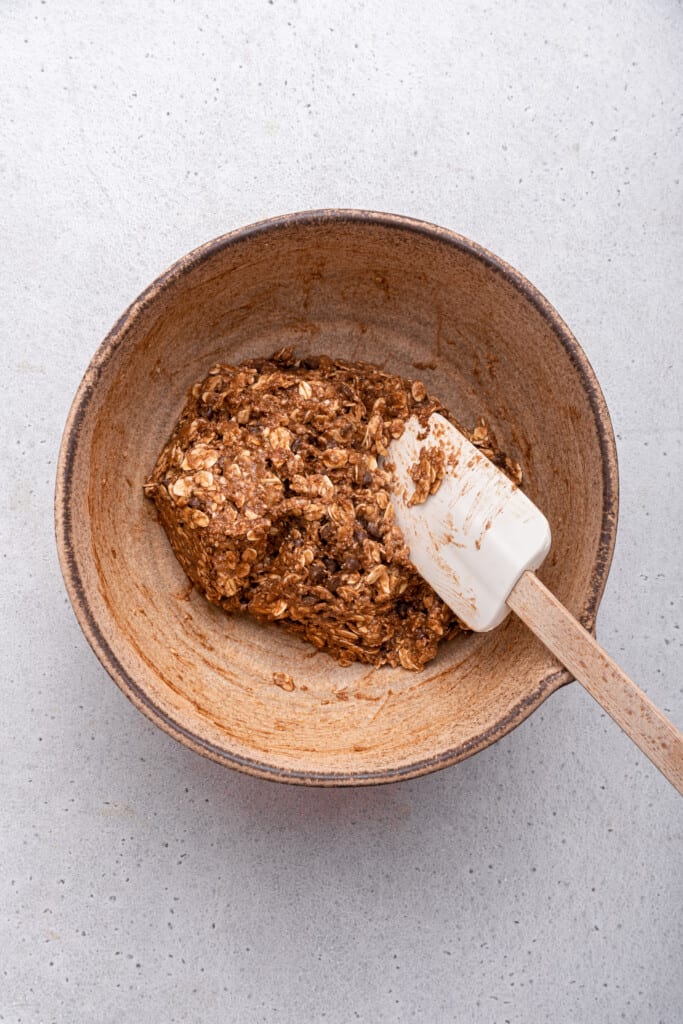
column 539, row 881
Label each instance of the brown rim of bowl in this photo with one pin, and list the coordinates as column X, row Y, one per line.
column 70, row 440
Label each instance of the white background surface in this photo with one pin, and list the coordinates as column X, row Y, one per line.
column 539, row 881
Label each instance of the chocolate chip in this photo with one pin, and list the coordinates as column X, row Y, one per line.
column 316, row 573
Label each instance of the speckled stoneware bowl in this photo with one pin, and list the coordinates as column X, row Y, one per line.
column 422, row 302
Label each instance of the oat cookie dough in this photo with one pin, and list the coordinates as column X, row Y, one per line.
column 275, row 504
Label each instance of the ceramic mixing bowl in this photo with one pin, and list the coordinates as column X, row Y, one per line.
column 420, row 301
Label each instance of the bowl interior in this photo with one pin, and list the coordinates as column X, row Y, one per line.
column 416, row 300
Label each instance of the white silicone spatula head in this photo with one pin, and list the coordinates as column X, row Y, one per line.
column 475, row 536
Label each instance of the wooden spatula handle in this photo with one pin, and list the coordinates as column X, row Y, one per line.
column 574, row 646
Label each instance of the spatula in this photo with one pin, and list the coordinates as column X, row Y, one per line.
column 477, row 539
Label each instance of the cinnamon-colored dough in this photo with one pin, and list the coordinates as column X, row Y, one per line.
column 273, row 497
